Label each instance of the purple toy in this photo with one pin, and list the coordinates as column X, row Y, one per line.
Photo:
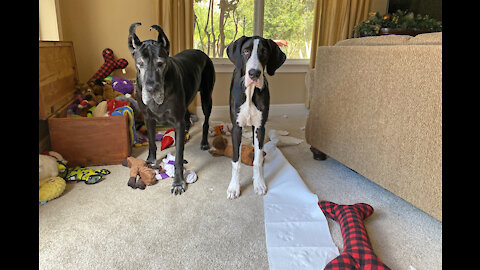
column 122, row 85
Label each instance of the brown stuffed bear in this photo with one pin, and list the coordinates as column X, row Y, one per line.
column 102, row 90
column 139, row 167
column 221, row 148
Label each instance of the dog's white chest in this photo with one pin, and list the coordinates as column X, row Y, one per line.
column 249, row 115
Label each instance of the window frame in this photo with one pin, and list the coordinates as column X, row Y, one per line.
column 223, row 65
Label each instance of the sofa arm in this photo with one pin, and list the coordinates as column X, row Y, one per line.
column 378, row 110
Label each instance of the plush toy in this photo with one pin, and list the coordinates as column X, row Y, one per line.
column 168, row 138
column 50, row 188
column 89, row 176
column 222, row 148
column 126, row 110
column 73, row 108
column 109, row 65
column 47, row 167
column 100, row 110
column 357, row 250
column 122, row 85
column 138, row 167
column 113, row 104
column 168, row 165
column 61, row 163
column 220, row 130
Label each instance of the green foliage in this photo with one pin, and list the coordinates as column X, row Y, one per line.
column 399, row 20
column 290, row 20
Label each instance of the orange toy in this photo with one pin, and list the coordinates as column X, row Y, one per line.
column 222, row 148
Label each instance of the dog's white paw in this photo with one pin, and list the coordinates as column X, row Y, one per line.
column 233, row 191
column 259, row 187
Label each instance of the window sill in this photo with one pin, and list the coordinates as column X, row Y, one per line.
column 223, row 65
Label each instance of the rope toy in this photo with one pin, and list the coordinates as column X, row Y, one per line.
column 357, row 250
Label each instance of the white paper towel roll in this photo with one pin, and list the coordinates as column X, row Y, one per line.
column 296, row 230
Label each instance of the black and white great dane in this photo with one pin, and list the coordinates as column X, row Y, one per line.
column 250, row 101
column 165, row 87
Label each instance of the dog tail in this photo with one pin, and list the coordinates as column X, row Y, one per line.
column 129, row 99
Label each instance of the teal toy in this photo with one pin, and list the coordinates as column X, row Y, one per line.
column 127, row 110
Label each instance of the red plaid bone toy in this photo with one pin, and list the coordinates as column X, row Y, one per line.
column 357, row 250
column 109, row 65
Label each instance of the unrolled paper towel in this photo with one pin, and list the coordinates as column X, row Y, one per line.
column 296, row 230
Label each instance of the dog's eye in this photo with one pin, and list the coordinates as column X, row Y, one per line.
column 246, row 52
column 140, row 63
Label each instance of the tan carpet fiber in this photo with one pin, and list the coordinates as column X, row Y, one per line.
column 108, row 225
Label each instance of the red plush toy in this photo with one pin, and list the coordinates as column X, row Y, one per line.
column 169, row 138
column 109, row 65
column 357, row 250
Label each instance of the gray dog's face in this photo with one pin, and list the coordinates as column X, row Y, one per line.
column 150, row 61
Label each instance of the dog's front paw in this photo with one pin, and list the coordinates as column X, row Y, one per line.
column 204, row 146
column 259, row 187
column 178, row 187
column 151, row 161
column 233, row 191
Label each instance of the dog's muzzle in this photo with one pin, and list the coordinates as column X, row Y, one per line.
column 155, row 92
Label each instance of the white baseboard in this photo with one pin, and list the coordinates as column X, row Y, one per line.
column 275, row 110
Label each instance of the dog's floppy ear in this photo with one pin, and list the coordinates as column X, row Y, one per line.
column 276, row 59
column 162, row 38
column 233, row 49
column 133, row 41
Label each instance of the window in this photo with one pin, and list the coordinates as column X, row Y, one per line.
column 288, row 22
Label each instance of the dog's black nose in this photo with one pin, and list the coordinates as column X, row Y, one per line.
column 254, row 73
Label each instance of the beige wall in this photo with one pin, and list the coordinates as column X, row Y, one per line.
column 95, row 25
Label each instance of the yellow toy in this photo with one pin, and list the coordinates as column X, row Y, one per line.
column 50, row 188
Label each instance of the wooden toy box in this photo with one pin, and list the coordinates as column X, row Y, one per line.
column 83, row 141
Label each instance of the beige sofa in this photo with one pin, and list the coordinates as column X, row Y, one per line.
column 376, row 107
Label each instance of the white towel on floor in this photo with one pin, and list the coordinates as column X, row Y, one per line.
column 296, row 230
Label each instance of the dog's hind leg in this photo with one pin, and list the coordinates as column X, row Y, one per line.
column 207, row 110
column 206, row 89
column 152, row 147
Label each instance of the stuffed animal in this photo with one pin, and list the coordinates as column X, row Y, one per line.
column 122, row 85
column 109, row 65
column 357, row 251
column 222, row 148
column 138, row 167
column 61, row 163
column 113, row 104
column 47, row 166
column 101, row 110
column 89, row 176
column 220, row 130
column 50, row 188
column 168, row 138
column 168, row 164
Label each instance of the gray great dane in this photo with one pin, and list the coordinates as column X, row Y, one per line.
column 165, row 87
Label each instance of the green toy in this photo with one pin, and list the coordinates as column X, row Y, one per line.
column 90, row 176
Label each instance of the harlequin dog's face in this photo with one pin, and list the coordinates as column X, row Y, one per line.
column 150, row 61
column 252, row 55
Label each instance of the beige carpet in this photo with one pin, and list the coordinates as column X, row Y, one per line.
column 108, row 225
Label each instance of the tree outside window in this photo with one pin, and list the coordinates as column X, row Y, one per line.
column 219, row 22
